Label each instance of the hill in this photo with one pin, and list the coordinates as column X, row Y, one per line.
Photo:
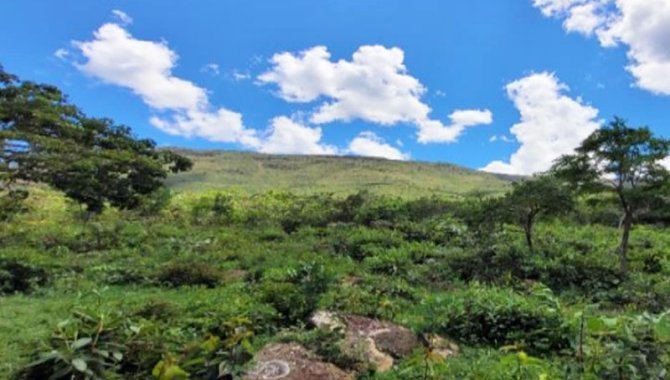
column 255, row 173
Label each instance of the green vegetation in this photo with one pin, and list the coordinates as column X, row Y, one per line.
column 192, row 284
column 166, row 288
column 260, row 173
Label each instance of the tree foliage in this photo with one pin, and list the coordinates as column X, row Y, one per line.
column 44, row 138
column 624, row 161
column 535, row 197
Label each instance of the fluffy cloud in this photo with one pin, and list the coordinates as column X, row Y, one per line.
column 435, row 131
column 373, row 86
column 290, row 137
column 642, row 25
column 369, row 144
column 221, row 125
column 552, row 124
column 115, row 57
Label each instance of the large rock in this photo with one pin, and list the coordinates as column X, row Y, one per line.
column 291, row 361
column 377, row 342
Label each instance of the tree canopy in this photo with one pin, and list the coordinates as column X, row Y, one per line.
column 624, row 161
column 535, row 197
column 44, row 138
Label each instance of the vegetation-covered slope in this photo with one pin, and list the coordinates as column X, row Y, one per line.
column 214, row 277
column 257, row 173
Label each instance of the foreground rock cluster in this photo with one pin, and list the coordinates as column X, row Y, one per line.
column 378, row 343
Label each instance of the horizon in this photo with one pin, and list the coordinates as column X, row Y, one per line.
column 377, row 79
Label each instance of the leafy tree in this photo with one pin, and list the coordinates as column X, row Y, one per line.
column 530, row 199
column 623, row 161
column 44, row 138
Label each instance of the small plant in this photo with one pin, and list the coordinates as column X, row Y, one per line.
column 88, row 346
column 212, row 358
column 190, row 273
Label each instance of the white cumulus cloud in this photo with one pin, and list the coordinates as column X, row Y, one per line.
column 369, row 144
column 435, row 131
column 145, row 67
column 373, row 86
column 287, row 136
column 552, row 124
column 641, row 25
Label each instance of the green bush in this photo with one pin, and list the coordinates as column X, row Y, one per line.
column 86, row 346
column 359, row 243
column 295, row 293
column 12, row 203
column 22, row 278
column 586, row 274
column 488, row 315
column 186, row 273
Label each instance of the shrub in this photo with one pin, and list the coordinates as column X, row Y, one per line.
column 212, row 210
column 358, row 243
column 18, row 277
column 390, row 262
column 152, row 204
column 12, row 203
column 87, row 346
column 187, row 273
column 490, row 264
column 313, row 211
column 488, row 315
column 589, row 275
column 295, row 294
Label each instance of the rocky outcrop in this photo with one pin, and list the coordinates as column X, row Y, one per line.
column 379, row 343
column 291, row 361
column 374, row 342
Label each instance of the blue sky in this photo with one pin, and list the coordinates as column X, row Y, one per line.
column 504, row 85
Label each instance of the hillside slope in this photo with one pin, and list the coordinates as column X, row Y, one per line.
column 254, row 173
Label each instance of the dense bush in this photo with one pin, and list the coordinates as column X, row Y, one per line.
column 295, row 293
column 12, row 203
column 581, row 273
column 21, row 278
column 359, row 243
column 185, row 273
column 486, row 315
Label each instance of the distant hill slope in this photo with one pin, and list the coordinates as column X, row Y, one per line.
column 254, row 173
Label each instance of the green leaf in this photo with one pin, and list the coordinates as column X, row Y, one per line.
column 595, row 325
column 79, row 364
column 82, row 342
column 662, row 328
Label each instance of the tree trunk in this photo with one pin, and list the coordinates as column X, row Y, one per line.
column 528, row 229
column 623, row 248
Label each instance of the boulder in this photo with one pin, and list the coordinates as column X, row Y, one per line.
column 376, row 342
column 291, row 361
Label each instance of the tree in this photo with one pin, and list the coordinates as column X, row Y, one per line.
column 623, row 161
column 44, row 138
column 535, row 197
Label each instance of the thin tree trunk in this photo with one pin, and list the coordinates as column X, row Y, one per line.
column 528, row 229
column 623, row 248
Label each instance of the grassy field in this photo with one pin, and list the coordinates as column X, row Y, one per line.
column 257, row 173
